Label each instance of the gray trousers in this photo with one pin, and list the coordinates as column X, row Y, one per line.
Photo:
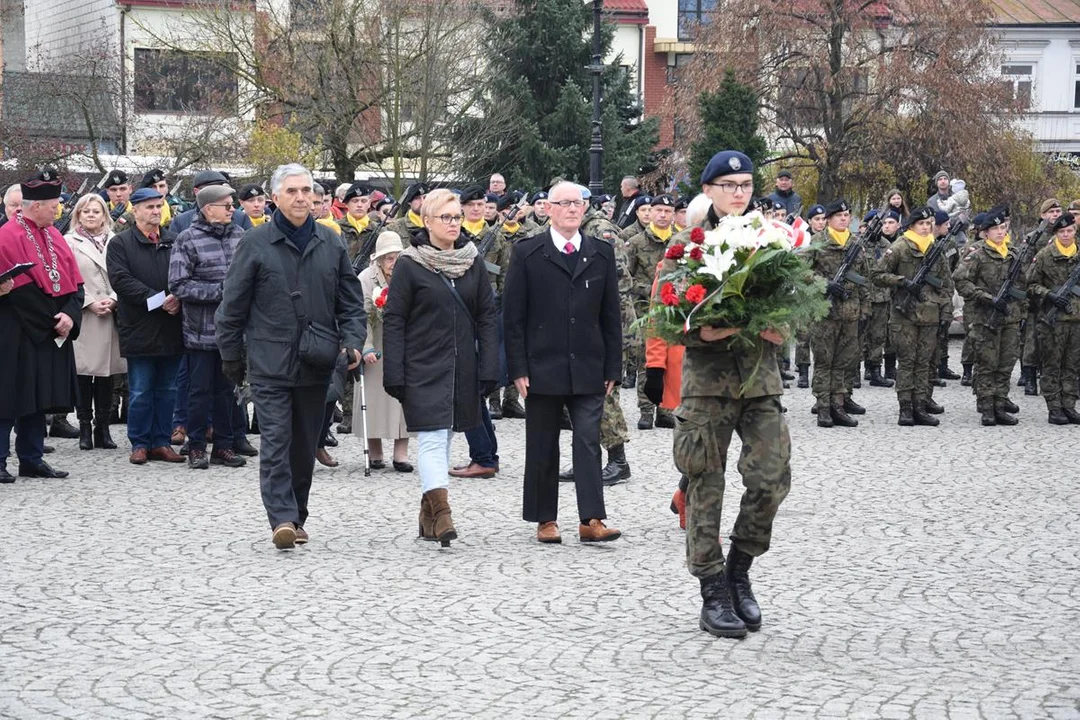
column 290, row 420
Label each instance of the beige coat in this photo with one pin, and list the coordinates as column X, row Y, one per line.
column 385, row 418
column 97, row 351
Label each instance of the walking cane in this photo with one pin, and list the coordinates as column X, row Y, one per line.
column 363, row 418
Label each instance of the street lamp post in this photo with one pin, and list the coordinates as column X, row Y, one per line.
column 596, row 146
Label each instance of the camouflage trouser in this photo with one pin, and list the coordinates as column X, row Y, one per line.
column 347, row 401
column 1029, row 342
column 613, row 430
column 877, row 334
column 915, row 352
column 836, row 351
column 701, row 440
column 802, row 348
column 632, row 342
column 995, row 356
column 967, row 352
column 941, row 347
column 1060, row 361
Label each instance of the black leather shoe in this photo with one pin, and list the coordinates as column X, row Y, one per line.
column 841, row 418
column 41, row 470
column 6, row 477
column 1009, row 406
column 61, row 428
column 614, row 473
column 241, row 446
column 1031, row 381
column 403, row 467
column 853, row 408
column 938, row 382
column 717, row 611
column 47, row 449
column 513, row 410
column 737, row 574
column 1004, row 418
column 665, row 420
column 86, row 436
column 330, row 440
column 1057, row 417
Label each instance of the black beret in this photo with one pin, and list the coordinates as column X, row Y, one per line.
column 815, row 210
column 1064, row 220
column 760, row 205
column 664, row 201
column 726, row 162
column 682, row 203
column 382, row 201
column 471, row 193
column 45, row 185
column 920, row 214
column 116, row 177
column 153, row 177
column 414, row 191
column 836, row 207
column 356, row 190
column 250, row 191
column 491, row 197
column 511, row 198
column 992, row 218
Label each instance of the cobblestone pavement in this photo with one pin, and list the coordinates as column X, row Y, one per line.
column 915, row 572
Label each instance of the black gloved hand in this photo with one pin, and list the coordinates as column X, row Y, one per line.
column 235, row 370
column 836, row 290
column 487, row 387
column 654, row 385
column 1061, row 302
column 913, row 287
column 1001, row 305
column 396, row 391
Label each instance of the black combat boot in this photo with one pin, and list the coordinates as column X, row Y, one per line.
column 665, row 419
column 86, row 436
column 717, row 611
column 824, row 415
column 945, row 372
column 938, row 382
column 617, row 469
column 1031, row 383
column 645, row 422
column 890, row 366
column 629, row 381
column 877, row 379
column 921, row 417
column 804, row 375
column 841, row 418
column 494, row 406
column 1009, row 406
column 513, row 410
column 1057, row 417
column 1002, row 417
column 965, row 379
column 853, row 408
column 868, row 372
column 1072, row 416
column 785, row 370
column 905, row 419
column 61, row 428
column 988, row 417
column 737, row 574
column 933, row 407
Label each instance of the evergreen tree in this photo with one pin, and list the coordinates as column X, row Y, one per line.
column 538, row 58
column 729, row 121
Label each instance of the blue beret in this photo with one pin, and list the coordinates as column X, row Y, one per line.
column 940, row 217
column 835, row 207
column 471, row 193
column 976, row 221
column 761, row 205
column 491, row 197
column 777, row 205
column 726, row 162
column 537, row 196
column 815, row 210
column 144, row 194
column 640, row 200
column 892, row 215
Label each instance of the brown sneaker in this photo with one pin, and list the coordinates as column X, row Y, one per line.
column 284, row 536
column 179, row 435
column 548, row 532
column 596, row 531
column 301, row 536
column 166, row 454
column 138, row 456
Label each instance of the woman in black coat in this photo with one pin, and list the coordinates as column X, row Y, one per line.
column 440, row 348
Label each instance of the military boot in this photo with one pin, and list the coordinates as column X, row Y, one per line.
column 645, row 422
column 1072, row 415
column 938, row 382
column 945, row 372
column 629, row 381
column 906, row 419
column 1001, row 415
column 1057, row 417
column 986, row 411
column 853, row 408
column 933, row 407
column 1009, row 406
column 965, row 379
column 890, row 366
column 840, row 416
column 1031, row 382
column 824, row 415
column 877, row 379
column 494, row 406
column 617, row 469
column 921, row 417
column 665, row 419
column 804, row 375
column 785, row 370
column 737, row 574
column 513, row 410
column 718, row 615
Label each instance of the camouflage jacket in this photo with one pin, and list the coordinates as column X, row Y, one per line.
column 1048, row 273
column 403, row 226
column 979, row 276
column 874, row 252
column 598, row 226
column 631, row 230
column 500, row 251
column 354, row 240
column 900, row 262
column 720, row 369
column 645, row 251
column 824, row 257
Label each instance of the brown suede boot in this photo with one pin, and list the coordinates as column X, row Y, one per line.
column 440, row 510
column 427, row 521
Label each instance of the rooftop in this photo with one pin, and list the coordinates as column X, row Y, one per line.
column 1036, row 12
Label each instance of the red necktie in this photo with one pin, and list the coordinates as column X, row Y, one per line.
column 152, row 237
column 568, row 248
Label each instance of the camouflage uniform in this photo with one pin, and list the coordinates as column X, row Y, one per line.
column 835, row 340
column 404, row 227
column 354, row 240
column 876, row 331
column 500, row 255
column 634, row 228
column 978, row 277
column 1059, row 345
column 643, row 255
column 712, row 409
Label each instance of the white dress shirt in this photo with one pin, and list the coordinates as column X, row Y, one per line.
column 560, row 241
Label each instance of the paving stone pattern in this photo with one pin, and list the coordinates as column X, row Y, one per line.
column 915, row 573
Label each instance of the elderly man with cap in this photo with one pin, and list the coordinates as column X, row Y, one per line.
column 1049, row 212
column 785, row 195
column 715, row 404
column 914, row 330
column 203, row 179
column 356, row 225
column 252, row 200
column 149, row 324
column 835, row 339
column 875, row 334
column 200, row 259
column 1054, row 283
column 40, row 315
column 995, row 322
column 644, row 252
column 153, row 179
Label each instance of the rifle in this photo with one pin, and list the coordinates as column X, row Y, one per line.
column 905, row 299
column 493, row 232
column 64, row 223
column 1071, row 286
column 1019, row 263
column 844, row 272
column 363, row 257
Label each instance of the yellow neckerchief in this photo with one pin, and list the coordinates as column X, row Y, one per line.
column 474, row 228
column 1007, row 240
column 358, row 225
column 414, row 219
column 257, row 221
column 166, row 214
column 1002, row 249
column 839, row 237
column 1066, row 251
column 922, row 242
column 511, row 227
column 662, row 234
column 328, row 221
column 678, row 228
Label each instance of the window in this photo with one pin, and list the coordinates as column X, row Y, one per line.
column 1076, row 88
column 168, row 81
column 1019, row 81
column 680, row 60
column 691, row 14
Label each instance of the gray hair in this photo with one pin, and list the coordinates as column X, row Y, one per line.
column 287, row 171
column 317, row 189
column 10, row 192
column 630, row 180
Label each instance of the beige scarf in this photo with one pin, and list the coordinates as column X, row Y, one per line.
column 451, row 263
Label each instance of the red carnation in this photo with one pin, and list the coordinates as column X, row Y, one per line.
column 668, row 296
column 696, row 253
column 695, row 293
column 380, row 301
column 697, row 235
column 675, row 252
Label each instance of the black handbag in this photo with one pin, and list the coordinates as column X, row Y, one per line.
column 319, row 345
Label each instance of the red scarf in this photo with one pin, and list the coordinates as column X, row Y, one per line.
column 16, row 248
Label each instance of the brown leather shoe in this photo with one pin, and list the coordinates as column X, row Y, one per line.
column 472, row 470
column 596, row 531
column 301, row 536
column 166, row 454
column 324, row 458
column 179, row 435
column 548, row 532
column 138, row 456
column 284, row 536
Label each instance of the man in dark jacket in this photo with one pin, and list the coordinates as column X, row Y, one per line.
column 148, row 321
column 292, row 294
column 786, row 195
column 563, row 331
column 204, row 179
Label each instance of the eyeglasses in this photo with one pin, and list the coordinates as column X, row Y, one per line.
column 567, row 203
column 730, row 188
column 449, row 219
column 224, row 206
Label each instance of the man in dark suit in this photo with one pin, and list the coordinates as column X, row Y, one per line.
column 563, row 334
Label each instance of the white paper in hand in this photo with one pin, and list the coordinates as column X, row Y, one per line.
column 155, row 301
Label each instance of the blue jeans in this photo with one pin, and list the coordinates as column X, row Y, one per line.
column 483, row 445
column 183, row 392
column 433, row 458
column 210, row 391
column 151, row 400
column 29, row 438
